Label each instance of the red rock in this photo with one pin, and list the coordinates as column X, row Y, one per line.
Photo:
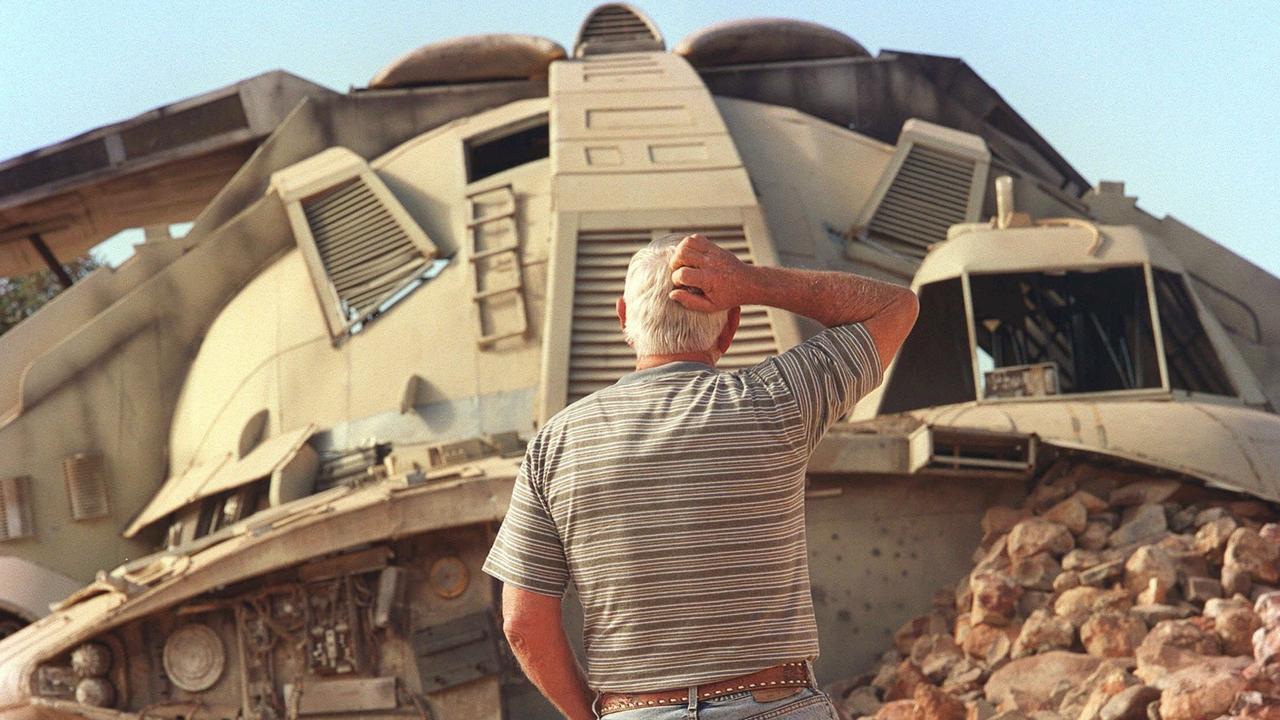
column 934, row 623
column 1080, row 559
column 999, row 519
column 1092, row 503
column 1027, row 683
column 1150, row 563
column 1202, row 691
column 1267, row 606
column 1266, row 645
column 1201, row 589
column 1235, row 628
column 1036, row 572
column 1250, row 509
column 1129, row 704
column 934, row 704
column 1172, row 645
column 1043, row 632
column 989, row 644
column 1047, row 494
column 903, row 681
column 1146, row 524
column 1037, row 535
column 1112, row 634
column 1086, row 698
column 1211, row 539
column 1144, row 492
column 1094, row 536
column 995, row 598
column 1066, row 581
column 935, row 655
column 1070, row 513
column 897, row 710
column 1236, row 580
column 1249, row 552
column 1076, row 604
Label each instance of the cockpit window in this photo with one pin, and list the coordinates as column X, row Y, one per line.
column 1090, row 330
column 1193, row 363
column 933, row 367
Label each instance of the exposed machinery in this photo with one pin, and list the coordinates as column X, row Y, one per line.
column 257, row 468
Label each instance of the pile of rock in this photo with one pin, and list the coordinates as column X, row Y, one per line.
column 1143, row 605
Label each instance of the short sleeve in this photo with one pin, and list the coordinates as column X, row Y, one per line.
column 527, row 552
column 825, row 375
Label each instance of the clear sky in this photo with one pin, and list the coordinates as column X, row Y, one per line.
column 1179, row 99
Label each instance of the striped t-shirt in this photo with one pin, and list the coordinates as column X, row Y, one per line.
column 674, row 502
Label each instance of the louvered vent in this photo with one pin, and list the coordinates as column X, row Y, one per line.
column 617, row 28
column 86, row 486
column 15, row 509
column 929, row 194
column 366, row 253
column 598, row 355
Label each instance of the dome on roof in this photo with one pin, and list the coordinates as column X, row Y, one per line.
column 759, row 40
column 473, row 58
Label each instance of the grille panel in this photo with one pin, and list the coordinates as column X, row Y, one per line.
column 929, row 194
column 367, row 254
column 86, row 486
column 598, row 356
column 616, row 28
column 15, row 508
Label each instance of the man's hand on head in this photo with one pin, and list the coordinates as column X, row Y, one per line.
column 707, row 277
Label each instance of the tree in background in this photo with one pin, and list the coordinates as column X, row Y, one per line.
column 22, row 296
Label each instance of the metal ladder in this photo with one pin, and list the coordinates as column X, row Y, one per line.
column 488, row 263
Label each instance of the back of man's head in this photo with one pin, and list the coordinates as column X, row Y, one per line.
column 656, row 324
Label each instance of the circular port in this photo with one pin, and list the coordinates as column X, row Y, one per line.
column 449, row 577
column 194, row 658
column 95, row 692
column 91, row 660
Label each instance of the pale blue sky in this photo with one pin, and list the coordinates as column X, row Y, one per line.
column 1178, row 99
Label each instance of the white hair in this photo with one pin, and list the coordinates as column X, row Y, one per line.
column 656, row 324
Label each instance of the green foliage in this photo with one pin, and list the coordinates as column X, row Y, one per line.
column 22, row 296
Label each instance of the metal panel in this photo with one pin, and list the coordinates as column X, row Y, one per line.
column 457, row 651
column 598, row 356
column 929, row 194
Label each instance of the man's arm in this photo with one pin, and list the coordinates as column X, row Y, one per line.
column 532, row 624
column 710, row 278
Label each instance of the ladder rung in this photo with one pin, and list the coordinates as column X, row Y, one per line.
column 486, row 294
column 477, row 222
column 482, row 254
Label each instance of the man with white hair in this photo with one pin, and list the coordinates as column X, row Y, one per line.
column 673, row 500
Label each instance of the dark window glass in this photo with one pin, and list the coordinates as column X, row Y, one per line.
column 1094, row 327
column 495, row 154
column 1193, row 363
column 933, row 367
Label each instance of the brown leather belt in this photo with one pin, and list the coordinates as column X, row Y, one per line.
column 792, row 674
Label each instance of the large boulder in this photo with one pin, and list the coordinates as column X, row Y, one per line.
column 1027, row 683
column 1146, row 524
column 1249, row 552
column 1112, row 634
column 1037, row 535
column 1150, row 564
column 995, row 598
column 1202, row 691
column 1043, row 632
column 1173, row 645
